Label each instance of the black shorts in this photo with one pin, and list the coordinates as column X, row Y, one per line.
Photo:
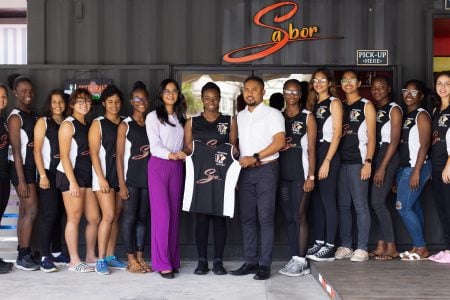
column 29, row 173
column 83, row 180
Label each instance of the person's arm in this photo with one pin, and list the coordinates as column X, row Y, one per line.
column 311, row 128
column 336, row 118
column 95, row 140
column 188, row 137
column 234, row 136
column 424, row 126
column 371, row 122
column 39, row 136
column 14, row 127
column 120, row 152
column 396, row 129
column 65, row 135
column 157, row 148
column 446, row 171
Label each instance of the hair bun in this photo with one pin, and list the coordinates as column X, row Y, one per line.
column 139, row 85
column 11, row 78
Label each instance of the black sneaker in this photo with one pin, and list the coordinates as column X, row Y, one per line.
column 4, row 263
column 47, row 265
column 314, row 249
column 218, row 268
column 326, row 253
column 5, row 267
column 26, row 263
column 60, row 260
column 202, row 268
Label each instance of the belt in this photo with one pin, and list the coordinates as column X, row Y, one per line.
column 261, row 163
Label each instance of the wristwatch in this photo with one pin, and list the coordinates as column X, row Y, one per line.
column 312, row 177
column 368, row 160
column 256, row 156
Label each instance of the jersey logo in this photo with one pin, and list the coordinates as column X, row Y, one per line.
column 209, row 176
column 220, row 158
column 3, row 141
column 380, row 115
column 354, row 114
column 442, row 121
column 435, row 138
column 296, row 127
column 144, row 153
column 222, row 128
column 212, row 143
column 346, row 129
column 320, row 111
column 407, row 123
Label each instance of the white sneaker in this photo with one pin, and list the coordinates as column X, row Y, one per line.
column 360, row 255
column 296, row 269
column 287, row 266
column 343, row 252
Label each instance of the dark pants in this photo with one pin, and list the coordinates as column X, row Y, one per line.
column 134, row 219
column 442, row 198
column 202, row 232
column 5, row 189
column 257, row 193
column 294, row 202
column 378, row 199
column 51, row 210
column 325, row 214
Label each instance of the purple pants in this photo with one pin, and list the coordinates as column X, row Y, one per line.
column 165, row 182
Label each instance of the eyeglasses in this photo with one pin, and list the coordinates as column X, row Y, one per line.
column 137, row 99
column 413, row 93
column 348, row 80
column 292, row 92
column 443, row 84
column 321, row 80
column 81, row 101
column 168, row 92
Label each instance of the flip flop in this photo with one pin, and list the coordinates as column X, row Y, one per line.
column 387, row 257
column 404, row 255
column 414, row 257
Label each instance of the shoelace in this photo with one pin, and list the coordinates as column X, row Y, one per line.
column 323, row 250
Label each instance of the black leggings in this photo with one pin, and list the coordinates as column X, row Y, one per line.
column 5, row 189
column 51, row 210
column 294, row 202
column 325, row 214
column 441, row 192
column 135, row 212
column 202, row 232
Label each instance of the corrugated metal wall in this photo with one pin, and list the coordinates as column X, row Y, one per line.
column 13, row 38
column 201, row 31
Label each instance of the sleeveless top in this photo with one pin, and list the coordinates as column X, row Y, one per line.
column 353, row 147
column 322, row 112
column 27, row 121
column 211, row 177
column 4, row 145
column 79, row 148
column 293, row 159
column 137, row 153
column 384, row 128
column 107, row 151
column 440, row 146
column 50, row 147
column 409, row 140
column 211, row 133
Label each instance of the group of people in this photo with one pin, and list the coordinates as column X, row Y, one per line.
column 321, row 149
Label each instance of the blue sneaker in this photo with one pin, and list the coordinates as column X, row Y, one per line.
column 115, row 263
column 60, row 260
column 47, row 265
column 101, row 267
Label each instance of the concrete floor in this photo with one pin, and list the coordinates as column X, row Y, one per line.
column 124, row 285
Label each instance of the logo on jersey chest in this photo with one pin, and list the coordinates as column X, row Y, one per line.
column 220, row 157
column 354, row 115
column 320, row 111
column 380, row 116
column 442, row 122
column 297, row 127
column 407, row 122
column 3, row 141
column 209, row 176
column 222, row 128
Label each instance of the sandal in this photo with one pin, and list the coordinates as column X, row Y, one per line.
column 386, row 257
column 414, row 257
column 144, row 265
column 135, row 267
column 82, row 268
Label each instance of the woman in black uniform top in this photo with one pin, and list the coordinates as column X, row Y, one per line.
column 214, row 129
column 46, row 155
column 102, row 147
column 21, row 123
column 4, row 170
column 74, row 179
column 133, row 152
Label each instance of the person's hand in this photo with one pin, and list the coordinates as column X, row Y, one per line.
column 23, row 190
column 74, row 190
column 247, row 161
column 366, row 171
column 414, row 181
column 308, row 186
column 104, row 185
column 44, row 183
column 124, row 194
column 324, row 170
column 446, row 175
column 378, row 177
